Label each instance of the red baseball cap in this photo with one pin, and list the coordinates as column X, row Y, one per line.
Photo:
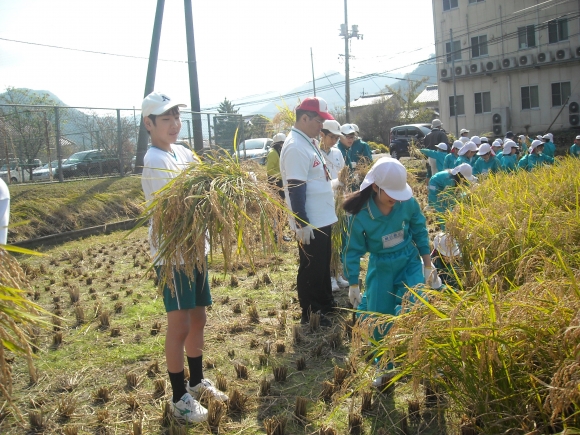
column 315, row 104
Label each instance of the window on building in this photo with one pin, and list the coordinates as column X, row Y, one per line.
column 479, row 46
column 482, row 102
column 527, row 36
column 450, row 4
column 557, row 30
column 475, row 1
column 530, row 99
column 455, row 52
column 560, row 93
column 460, row 106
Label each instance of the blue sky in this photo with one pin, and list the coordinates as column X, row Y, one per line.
column 245, row 48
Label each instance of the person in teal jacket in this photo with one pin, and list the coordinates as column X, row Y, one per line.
column 497, row 148
column 486, row 162
column 466, row 153
column 352, row 150
column 388, row 223
column 360, row 144
column 575, row 148
column 441, row 189
column 535, row 157
column 439, row 155
column 549, row 147
column 449, row 162
column 509, row 160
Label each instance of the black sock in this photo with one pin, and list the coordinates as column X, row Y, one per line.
column 177, row 385
column 195, row 370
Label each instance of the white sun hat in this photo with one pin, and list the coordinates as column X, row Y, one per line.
column 536, row 144
column 476, row 140
column 484, row 149
column 391, row 176
column 508, row 145
column 496, row 144
column 464, row 139
column 469, row 146
column 446, row 245
column 279, row 137
column 442, row 146
column 332, row 126
column 457, row 145
column 465, row 170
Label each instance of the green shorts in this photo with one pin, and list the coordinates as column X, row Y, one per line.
column 188, row 294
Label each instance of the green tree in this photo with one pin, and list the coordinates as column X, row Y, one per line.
column 226, row 124
column 25, row 125
column 259, row 126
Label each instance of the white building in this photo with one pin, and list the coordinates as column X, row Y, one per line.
column 515, row 64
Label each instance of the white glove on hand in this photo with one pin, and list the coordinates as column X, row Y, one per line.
column 305, row 234
column 354, row 296
column 432, row 277
column 427, row 273
column 335, row 183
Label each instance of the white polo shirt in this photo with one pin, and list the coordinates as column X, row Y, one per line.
column 334, row 161
column 301, row 159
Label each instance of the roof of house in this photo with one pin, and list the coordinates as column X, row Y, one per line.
column 429, row 95
column 368, row 100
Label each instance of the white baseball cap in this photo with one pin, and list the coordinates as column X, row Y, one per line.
column 442, row 146
column 446, row 245
column 484, row 139
column 578, row 137
column 465, row 170
column 536, row 144
column 464, row 130
column 332, row 126
column 484, row 149
column 458, row 144
column 496, row 144
column 464, row 139
column 476, row 140
column 157, row 103
column 469, row 146
column 508, row 145
column 279, row 137
column 347, row 129
column 391, row 176
column 355, row 127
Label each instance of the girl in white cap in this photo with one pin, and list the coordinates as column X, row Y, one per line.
column 535, row 157
column 509, row 160
column 497, row 148
column 466, row 153
column 441, row 192
column 387, row 222
column 487, row 162
column 449, row 162
column 549, row 147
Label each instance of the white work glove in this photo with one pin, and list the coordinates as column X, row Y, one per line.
column 335, row 183
column 252, row 176
column 431, row 277
column 305, row 234
column 354, row 296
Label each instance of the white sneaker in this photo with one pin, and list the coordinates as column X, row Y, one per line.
column 206, row 386
column 342, row 282
column 189, row 409
column 334, row 284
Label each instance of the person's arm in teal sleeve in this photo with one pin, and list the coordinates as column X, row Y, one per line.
column 418, row 229
column 367, row 152
column 523, row 163
column 549, row 160
column 428, row 152
column 476, row 167
column 354, row 249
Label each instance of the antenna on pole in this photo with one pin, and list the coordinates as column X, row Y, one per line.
column 312, row 63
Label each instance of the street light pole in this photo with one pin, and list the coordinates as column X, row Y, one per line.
column 346, row 66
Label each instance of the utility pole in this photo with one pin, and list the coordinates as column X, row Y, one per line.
column 344, row 32
column 312, row 63
column 193, row 85
column 149, row 83
column 454, row 88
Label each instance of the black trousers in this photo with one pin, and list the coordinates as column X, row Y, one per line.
column 313, row 281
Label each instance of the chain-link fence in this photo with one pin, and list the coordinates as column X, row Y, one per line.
column 41, row 142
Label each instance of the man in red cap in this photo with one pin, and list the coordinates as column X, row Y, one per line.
column 307, row 184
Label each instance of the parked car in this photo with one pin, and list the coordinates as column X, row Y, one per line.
column 91, row 163
column 410, row 132
column 43, row 173
column 18, row 171
column 399, row 148
column 254, row 149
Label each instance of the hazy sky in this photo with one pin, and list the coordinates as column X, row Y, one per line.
column 245, row 48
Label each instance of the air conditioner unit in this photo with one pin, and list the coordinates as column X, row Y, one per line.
column 526, row 59
column 461, row 70
column 544, row 57
column 492, row 65
column 509, row 62
column 500, row 121
column 577, row 51
column 444, row 73
column 563, row 54
column 475, row 68
column 574, row 110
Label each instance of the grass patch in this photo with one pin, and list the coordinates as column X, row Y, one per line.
column 58, row 207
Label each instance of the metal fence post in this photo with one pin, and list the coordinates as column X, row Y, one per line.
column 57, row 138
column 209, row 130
column 120, row 144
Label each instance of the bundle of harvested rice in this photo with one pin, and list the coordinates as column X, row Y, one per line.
column 214, row 202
